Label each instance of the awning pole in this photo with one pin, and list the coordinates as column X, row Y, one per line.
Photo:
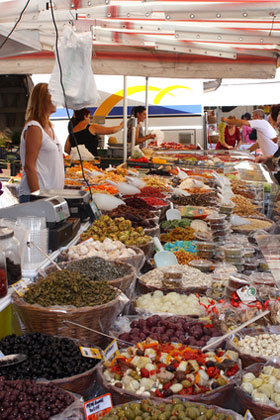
column 147, row 105
column 124, row 118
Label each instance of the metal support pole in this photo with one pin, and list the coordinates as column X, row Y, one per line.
column 124, row 118
column 133, row 134
column 147, row 105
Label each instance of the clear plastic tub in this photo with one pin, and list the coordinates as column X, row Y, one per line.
column 227, row 208
column 203, row 265
column 224, row 270
column 206, row 250
column 234, row 260
column 238, row 280
column 232, row 250
column 248, row 252
column 250, row 264
column 216, row 220
column 263, row 279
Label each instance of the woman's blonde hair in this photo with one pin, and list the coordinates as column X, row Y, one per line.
column 38, row 100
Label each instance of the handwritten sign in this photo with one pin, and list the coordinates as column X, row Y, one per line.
column 98, row 407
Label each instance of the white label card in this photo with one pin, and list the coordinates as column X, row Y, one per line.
column 111, row 351
column 247, row 294
column 90, row 352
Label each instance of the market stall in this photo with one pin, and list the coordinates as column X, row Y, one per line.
column 139, row 328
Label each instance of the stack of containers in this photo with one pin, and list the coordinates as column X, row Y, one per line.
column 219, row 226
column 37, row 233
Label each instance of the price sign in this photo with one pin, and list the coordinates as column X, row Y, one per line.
column 248, row 416
column 111, row 351
column 90, row 352
column 247, row 294
column 1, row 354
column 21, row 286
column 97, row 407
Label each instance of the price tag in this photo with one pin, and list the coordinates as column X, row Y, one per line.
column 90, row 352
column 1, row 354
column 98, row 407
column 247, row 294
column 248, row 416
column 111, row 351
column 21, row 286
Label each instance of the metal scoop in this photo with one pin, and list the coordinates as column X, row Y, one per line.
column 12, row 359
column 163, row 258
column 173, row 214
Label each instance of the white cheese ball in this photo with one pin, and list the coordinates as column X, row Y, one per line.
column 248, row 377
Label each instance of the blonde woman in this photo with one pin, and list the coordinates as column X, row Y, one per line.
column 40, row 151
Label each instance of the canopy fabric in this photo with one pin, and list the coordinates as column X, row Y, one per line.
column 196, row 39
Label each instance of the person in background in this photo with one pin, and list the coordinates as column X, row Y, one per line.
column 232, row 138
column 40, row 151
column 86, row 133
column 273, row 117
column 246, row 130
column 267, row 136
column 140, row 113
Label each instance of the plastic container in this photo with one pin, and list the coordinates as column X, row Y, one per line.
column 250, row 264
column 206, row 250
column 238, row 280
column 225, row 270
column 234, row 260
column 226, row 208
column 232, row 251
column 216, row 220
column 219, row 284
column 10, row 246
column 263, row 266
column 203, row 265
column 261, row 279
column 249, row 252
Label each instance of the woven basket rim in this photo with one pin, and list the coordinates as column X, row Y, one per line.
column 16, row 299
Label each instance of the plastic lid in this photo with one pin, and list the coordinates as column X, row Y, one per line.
column 201, row 263
column 241, row 278
column 216, row 217
column 6, row 232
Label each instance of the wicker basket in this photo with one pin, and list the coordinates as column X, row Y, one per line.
column 51, row 320
column 218, row 396
column 77, row 383
column 123, row 283
column 259, row 411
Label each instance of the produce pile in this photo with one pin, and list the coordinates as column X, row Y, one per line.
column 162, row 370
column 47, row 357
column 118, row 229
column 173, row 314
column 170, row 329
column 67, row 287
column 30, row 400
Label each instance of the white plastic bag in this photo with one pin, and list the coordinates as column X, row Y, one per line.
column 75, row 50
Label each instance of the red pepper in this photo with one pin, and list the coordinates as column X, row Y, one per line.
column 175, row 365
column 212, row 372
column 232, row 371
column 166, row 386
column 158, row 394
column 144, row 373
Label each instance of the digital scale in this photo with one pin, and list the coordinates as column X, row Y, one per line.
column 55, row 209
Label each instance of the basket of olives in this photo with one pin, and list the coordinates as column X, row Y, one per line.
column 25, row 399
column 177, row 408
column 258, row 389
column 69, row 296
column 118, row 274
column 56, row 359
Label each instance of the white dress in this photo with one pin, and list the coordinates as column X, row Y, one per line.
column 49, row 164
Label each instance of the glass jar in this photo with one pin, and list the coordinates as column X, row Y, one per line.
column 3, row 275
column 10, row 246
